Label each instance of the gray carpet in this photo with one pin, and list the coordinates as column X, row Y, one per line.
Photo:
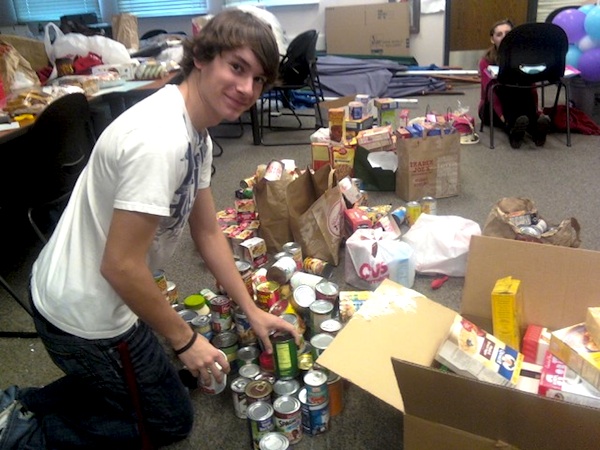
column 561, row 181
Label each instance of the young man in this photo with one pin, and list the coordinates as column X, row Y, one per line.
column 95, row 300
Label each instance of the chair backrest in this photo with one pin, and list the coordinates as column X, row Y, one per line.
column 300, row 58
column 59, row 144
column 539, row 48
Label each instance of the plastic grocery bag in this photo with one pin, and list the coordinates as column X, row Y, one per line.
column 59, row 45
column 372, row 255
column 441, row 243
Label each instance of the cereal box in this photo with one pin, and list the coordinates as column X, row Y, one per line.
column 470, row 351
column 506, row 311
column 337, row 124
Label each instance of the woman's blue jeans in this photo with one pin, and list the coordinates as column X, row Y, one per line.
column 91, row 406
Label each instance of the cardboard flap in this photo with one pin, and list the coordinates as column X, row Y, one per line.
column 380, row 330
column 550, row 275
column 495, row 412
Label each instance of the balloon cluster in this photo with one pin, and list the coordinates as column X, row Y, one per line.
column 582, row 26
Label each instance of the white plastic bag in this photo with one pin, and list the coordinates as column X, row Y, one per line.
column 372, row 255
column 441, row 243
column 59, row 45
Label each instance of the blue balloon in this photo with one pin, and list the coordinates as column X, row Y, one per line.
column 591, row 23
column 572, row 22
column 573, row 55
column 589, row 65
column 586, row 8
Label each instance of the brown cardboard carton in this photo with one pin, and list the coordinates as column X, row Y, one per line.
column 448, row 411
column 381, row 29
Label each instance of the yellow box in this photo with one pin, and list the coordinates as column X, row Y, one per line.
column 506, row 311
column 592, row 323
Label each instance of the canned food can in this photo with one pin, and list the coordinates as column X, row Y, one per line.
column 413, row 211
column 305, row 362
column 240, row 404
column 280, row 307
column 266, row 362
column 248, row 355
column 207, row 294
column 327, row 290
column 274, row 170
column 197, row 302
column 356, row 110
column 319, row 342
column 215, row 387
column 299, row 325
column 286, row 387
column 429, row 205
column 227, row 342
column 303, row 278
column 260, row 421
column 202, row 325
column 302, row 298
column 315, row 419
column 243, row 327
column 399, row 215
column 161, row 280
column 259, row 391
column 331, row 326
column 250, row 371
column 245, row 270
column 281, row 254
column 317, row 266
column 335, row 388
column 294, row 249
column 288, row 417
column 248, row 182
column 286, row 356
column 320, row 310
column 172, row 293
column 267, row 294
column 316, row 387
column 274, row 441
column 188, row 315
column 220, row 308
column 282, row 270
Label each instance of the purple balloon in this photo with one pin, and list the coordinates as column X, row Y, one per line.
column 571, row 21
column 589, row 65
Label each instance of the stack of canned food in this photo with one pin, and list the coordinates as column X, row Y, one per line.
column 284, row 395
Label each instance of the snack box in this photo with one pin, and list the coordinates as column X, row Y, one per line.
column 535, row 344
column 560, row 382
column 574, row 346
column 506, row 311
column 447, row 411
column 254, row 250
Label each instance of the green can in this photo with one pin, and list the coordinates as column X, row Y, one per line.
column 285, row 354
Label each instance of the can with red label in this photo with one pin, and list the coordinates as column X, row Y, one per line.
column 288, row 418
column 327, row 290
column 220, row 308
column 294, row 249
column 267, row 294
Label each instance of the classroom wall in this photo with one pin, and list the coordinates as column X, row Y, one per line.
column 427, row 46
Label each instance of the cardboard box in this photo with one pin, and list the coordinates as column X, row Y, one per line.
column 325, row 106
column 381, row 29
column 389, row 353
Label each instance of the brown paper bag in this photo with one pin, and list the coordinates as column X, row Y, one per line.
column 316, row 209
column 15, row 69
column 509, row 215
column 428, row 166
column 125, row 30
column 271, row 203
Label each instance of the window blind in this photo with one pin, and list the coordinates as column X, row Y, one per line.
column 47, row 10
column 163, row 8
column 267, row 3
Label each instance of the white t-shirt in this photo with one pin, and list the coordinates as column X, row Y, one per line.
column 150, row 160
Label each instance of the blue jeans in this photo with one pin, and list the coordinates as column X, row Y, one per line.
column 91, row 407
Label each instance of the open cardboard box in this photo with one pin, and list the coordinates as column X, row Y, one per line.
column 389, row 354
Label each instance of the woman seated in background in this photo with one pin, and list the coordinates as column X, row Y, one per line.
column 515, row 110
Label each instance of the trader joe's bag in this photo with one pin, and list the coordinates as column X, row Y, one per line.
column 428, row 166
column 373, row 255
column 316, row 211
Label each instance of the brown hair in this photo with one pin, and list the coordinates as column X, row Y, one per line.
column 491, row 55
column 230, row 30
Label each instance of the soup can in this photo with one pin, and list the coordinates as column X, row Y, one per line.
column 238, row 394
column 288, row 417
column 282, row 270
column 250, row 371
column 220, row 308
column 248, row 355
column 227, row 342
column 315, row 418
column 331, row 326
column 245, row 270
column 267, row 294
column 429, row 205
column 316, row 387
column 317, row 266
column 286, row 387
column 413, row 211
column 202, row 325
column 294, row 249
column 259, row 391
column 274, row 441
column 243, row 327
column 215, row 387
column 286, row 356
column 320, row 310
column 327, row 290
column 260, row 421
column 319, row 342
column 303, row 278
column 172, row 293
column 335, row 389
column 302, row 297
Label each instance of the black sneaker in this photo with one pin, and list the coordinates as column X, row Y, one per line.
column 517, row 134
column 543, row 126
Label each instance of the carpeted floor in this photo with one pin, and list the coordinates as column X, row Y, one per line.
column 562, row 182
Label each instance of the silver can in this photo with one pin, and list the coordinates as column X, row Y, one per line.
column 286, row 387
column 260, row 420
column 288, row 418
column 282, row 270
column 240, row 404
column 429, row 205
column 274, row 441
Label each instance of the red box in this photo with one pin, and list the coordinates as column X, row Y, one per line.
column 535, row 344
column 354, row 219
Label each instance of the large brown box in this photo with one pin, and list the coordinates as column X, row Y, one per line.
column 380, row 29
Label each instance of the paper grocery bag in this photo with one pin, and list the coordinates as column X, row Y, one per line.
column 125, row 30
column 428, row 166
column 271, row 203
column 316, row 211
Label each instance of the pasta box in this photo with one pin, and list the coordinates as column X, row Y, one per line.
column 448, row 411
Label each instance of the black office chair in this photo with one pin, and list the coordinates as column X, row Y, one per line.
column 59, row 144
column 297, row 74
column 531, row 55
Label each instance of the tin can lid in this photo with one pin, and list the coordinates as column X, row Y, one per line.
column 224, row 339
column 239, row 384
column 258, row 389
column 274, row 440
column 194, row 301
column 286, row 387
column 286, row 404
column 187, row 314
column 249, row 371
column 242, row 266
column 259, row 410
column 321, row 340
column 315, row 378
column 331, row 326
column 280, row 255
column 304, row 296
column 248, row 353
column 220, row 300
column 321, row 306
column 326, row 287
column 279, row 307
